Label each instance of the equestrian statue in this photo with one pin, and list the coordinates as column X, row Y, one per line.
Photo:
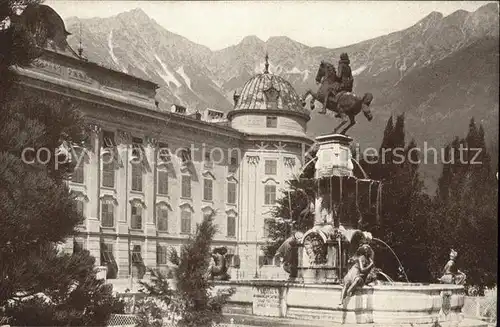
column 335, row 93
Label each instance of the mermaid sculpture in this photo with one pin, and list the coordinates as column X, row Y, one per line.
column 360, row 272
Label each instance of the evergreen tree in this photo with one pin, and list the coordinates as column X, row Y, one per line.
column 192, row 303
column 68, row 292
column 37, row 285
column 404, row 205
column 465, row 210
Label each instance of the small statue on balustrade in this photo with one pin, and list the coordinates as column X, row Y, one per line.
column 451, row 275
column 360, row 272
column 217, row 269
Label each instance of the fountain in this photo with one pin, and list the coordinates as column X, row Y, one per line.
column 342, row 202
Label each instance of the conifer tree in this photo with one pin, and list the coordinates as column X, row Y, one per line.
column 192, row 302
column 465, row 210
column 404, row 204
column 39, row 286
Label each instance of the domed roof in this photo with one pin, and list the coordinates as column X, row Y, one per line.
column 269, row 92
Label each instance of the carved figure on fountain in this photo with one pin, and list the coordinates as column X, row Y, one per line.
column 361, row 265
column 451, row 274
column 288, row 253
column 218, row 266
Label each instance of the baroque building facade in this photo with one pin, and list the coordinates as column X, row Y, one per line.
column 149, row 175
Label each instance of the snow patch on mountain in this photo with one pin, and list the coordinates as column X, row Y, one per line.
column 358, row 70
column 168, row 76
column 181, row 72
column 112, row 53
column 306, row 75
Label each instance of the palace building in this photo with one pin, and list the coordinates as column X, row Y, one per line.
column 150, row 175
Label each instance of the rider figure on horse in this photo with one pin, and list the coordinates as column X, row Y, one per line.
column 344, row 74
column 343, row 79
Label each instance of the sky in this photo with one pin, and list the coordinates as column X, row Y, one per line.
column 315, row 23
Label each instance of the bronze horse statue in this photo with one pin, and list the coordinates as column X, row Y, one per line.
column 347, row 104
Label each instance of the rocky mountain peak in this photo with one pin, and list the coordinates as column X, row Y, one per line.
column 431, row 20
column 251, row 40
column 136, row 14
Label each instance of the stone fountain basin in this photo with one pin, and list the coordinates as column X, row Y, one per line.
column 400, row 303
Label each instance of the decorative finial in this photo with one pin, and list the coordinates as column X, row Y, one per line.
column 266, row 70
column 80, row 48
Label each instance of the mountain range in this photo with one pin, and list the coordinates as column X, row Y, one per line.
column 440, row 72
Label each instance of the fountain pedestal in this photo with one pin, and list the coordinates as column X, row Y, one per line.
column 334, row 156
column 323, row 253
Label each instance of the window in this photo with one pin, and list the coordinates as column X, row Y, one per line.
column 163, row 182
column 108, row 171
column 107, row 253
column 186, row 186
column 80, row 207
column 161, row 255
column 231, row 193
column 137, row 148
column 233, row 164
column 271, row 121
column 270, row 194
column 162, row 219
column 231, row 226
column 163, row 153
column 136, row 254
column 108, row 259
column 138, row 268
column 136, row 177
column 136, row 220
column 185, row 156
column 271, row 167
column 185, row 222
column 78, row 173
column 108, row 139
column 208, row 160
column 207, row 189
column 107, row 214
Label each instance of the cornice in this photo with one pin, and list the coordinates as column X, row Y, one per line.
column 278, row 138
column 127, row 106
column 267, row 112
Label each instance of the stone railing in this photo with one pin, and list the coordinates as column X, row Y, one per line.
column 122, row 320
column 481, row 307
